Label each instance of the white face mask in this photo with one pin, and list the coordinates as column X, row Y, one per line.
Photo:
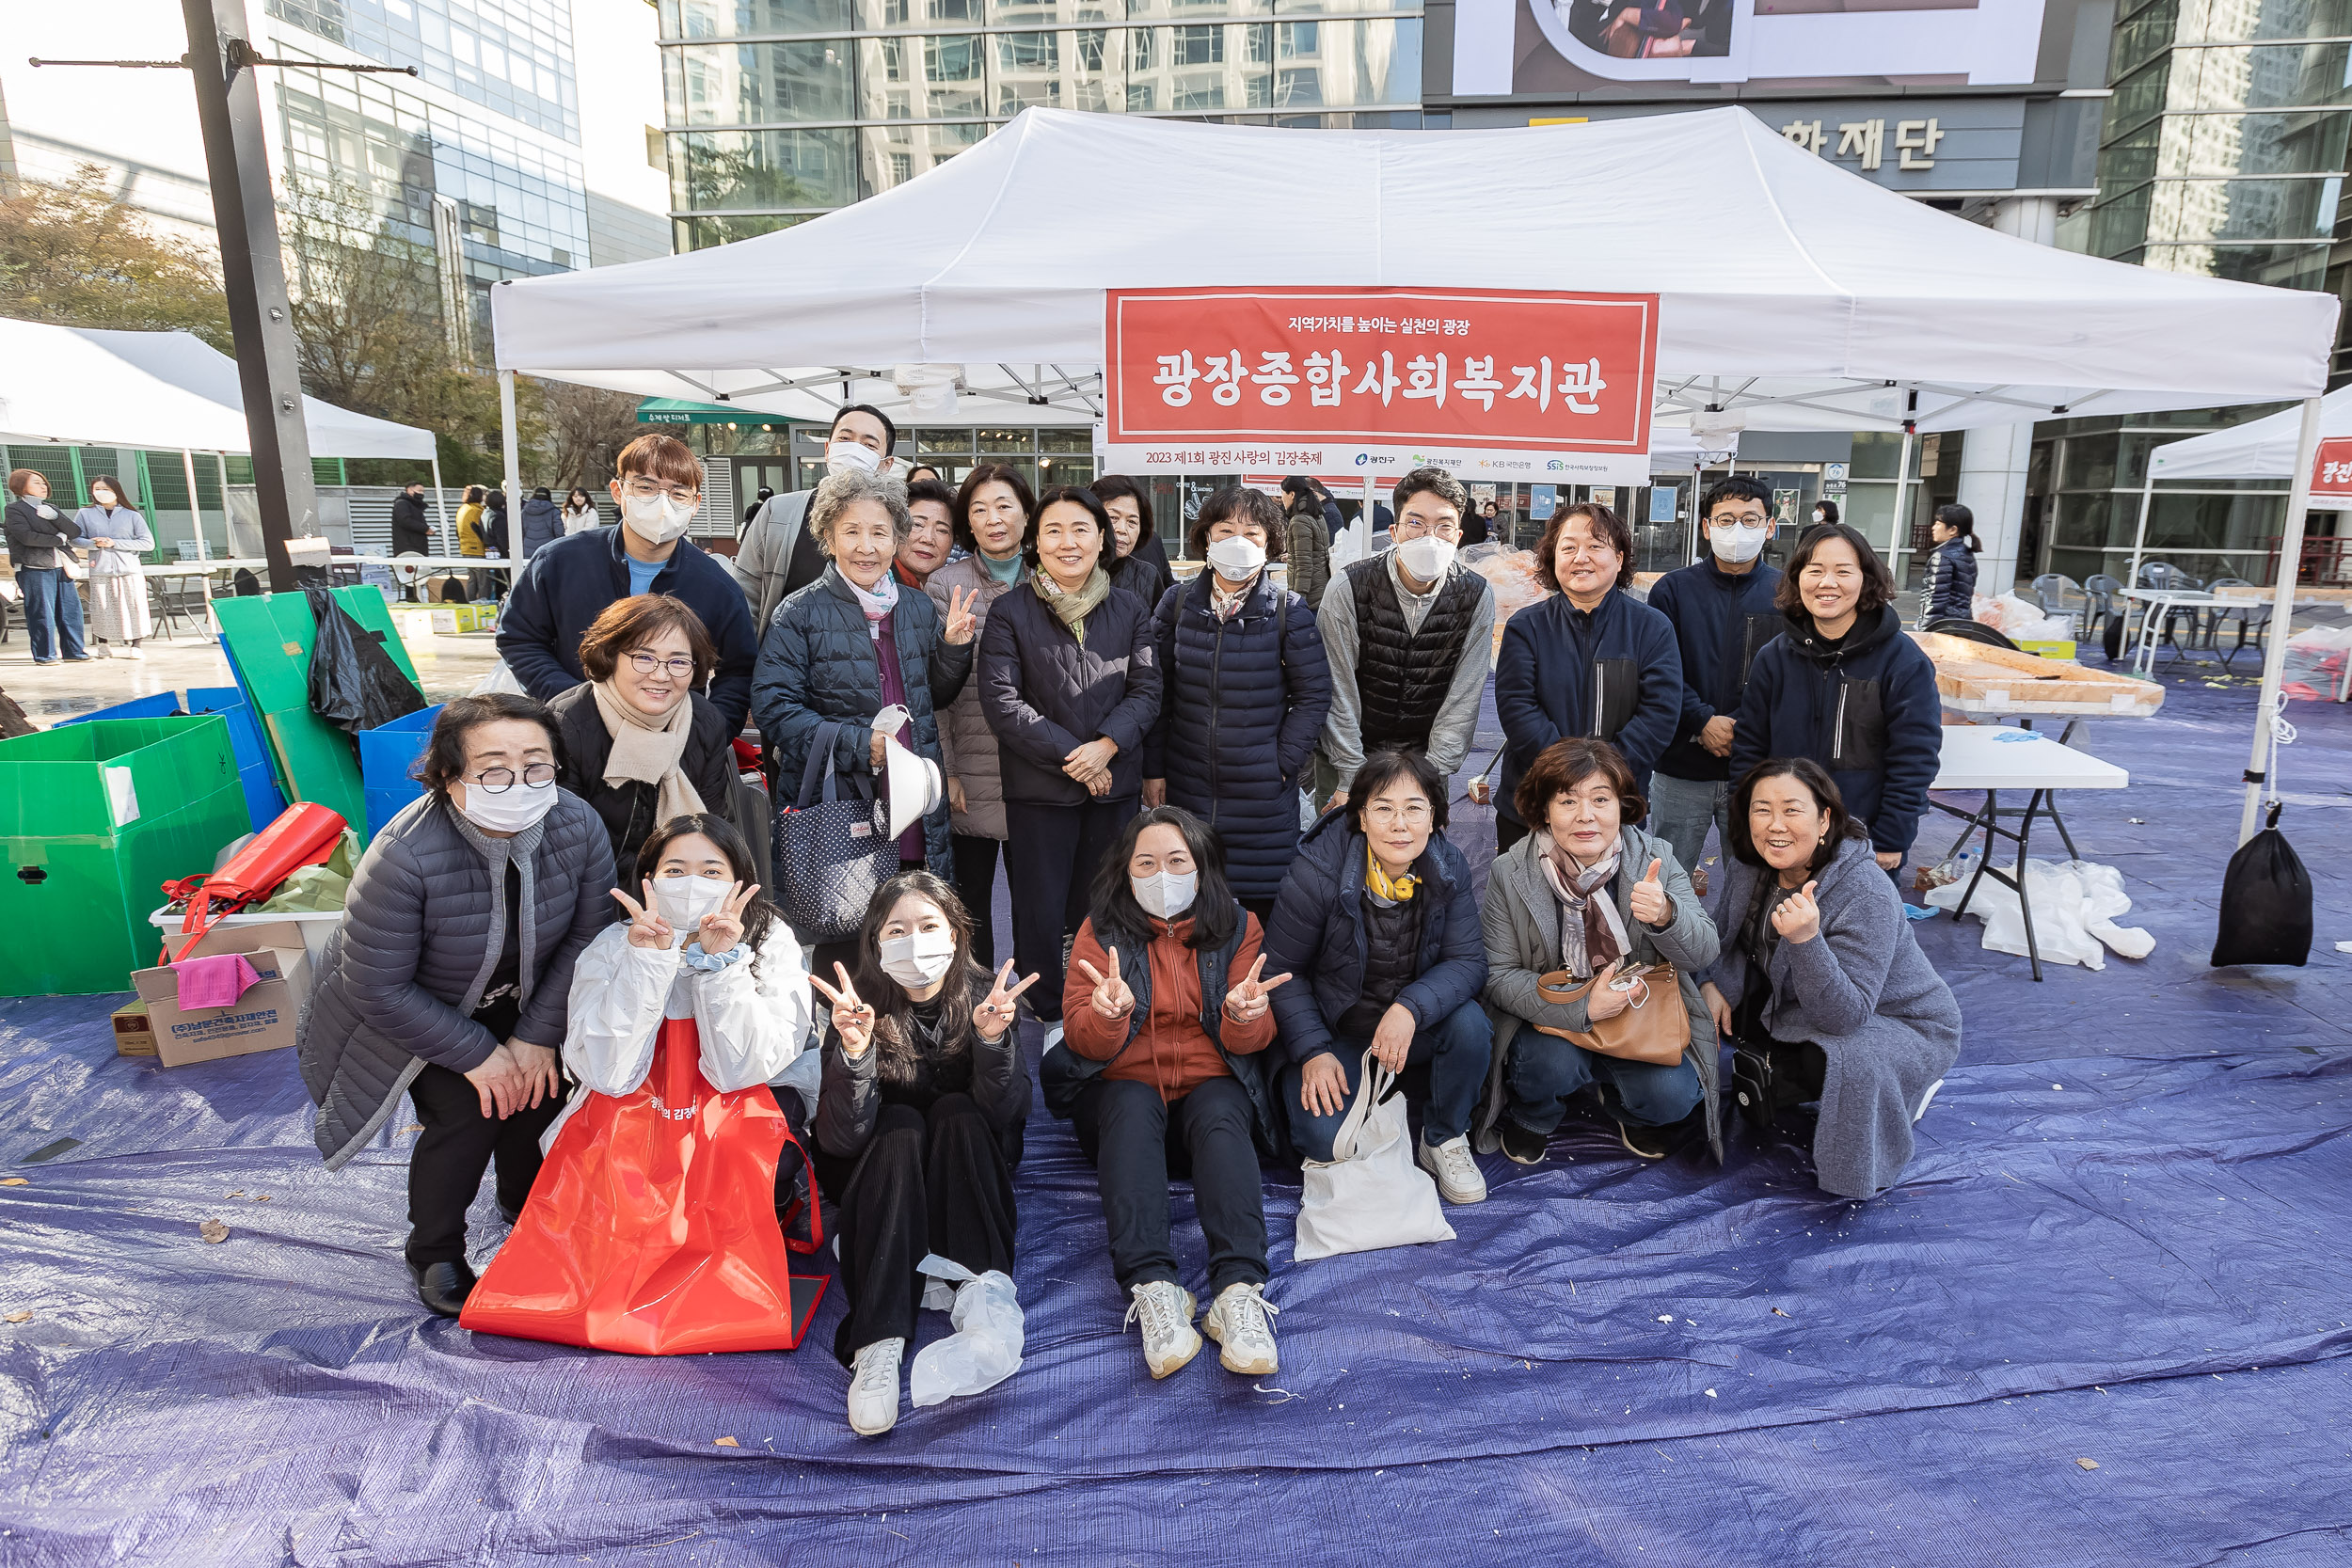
column 1737, row 542
column 917, row 962
column 684, row 900
column 510, row 810
column 846, row 456
column 1165, row 894
column 1236, row 558
column 657, row 519
column 1427, row 557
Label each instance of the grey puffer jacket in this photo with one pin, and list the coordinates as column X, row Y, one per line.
column 423, row 925
column 1522, row 925
column 819, row 663
column 969, row 746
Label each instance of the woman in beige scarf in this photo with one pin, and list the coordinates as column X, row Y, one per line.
column 641, row 742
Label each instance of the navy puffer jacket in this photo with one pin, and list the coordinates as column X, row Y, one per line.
column 1045, row 694
column 1951, row 590
column 819, row 664
column 1317, row 936
column 1243, row 701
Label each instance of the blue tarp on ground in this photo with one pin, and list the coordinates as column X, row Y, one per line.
column 2122, row 1241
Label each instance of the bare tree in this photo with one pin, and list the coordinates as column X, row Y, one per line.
column 585, row 428
column 72, row 255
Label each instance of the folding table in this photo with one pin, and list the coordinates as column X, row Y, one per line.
column 1994, row 758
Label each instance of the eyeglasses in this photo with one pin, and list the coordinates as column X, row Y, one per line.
column 1412, row 527
column 647, row 664
column 1381, row 814
column 497, row 781
column 685, row 494
column 1753, row 519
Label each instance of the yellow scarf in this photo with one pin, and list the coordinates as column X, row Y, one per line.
column 1395, row 890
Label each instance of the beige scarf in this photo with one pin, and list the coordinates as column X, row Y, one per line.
column 648, row 750
column 1074, row 608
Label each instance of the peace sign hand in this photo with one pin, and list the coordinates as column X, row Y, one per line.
column 1112, row 998
column 853, row 1020
column 722, row 927
column 1249, row 1001
column 961, row 621
column 1798, row 918
column 1650, row 904
column 647, row 929
column 994, row 1016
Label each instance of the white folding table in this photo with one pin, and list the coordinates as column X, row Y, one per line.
column 1992, row 759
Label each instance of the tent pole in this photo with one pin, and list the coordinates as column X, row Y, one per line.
column 196, row 512
column 2139, row 535
column 1898, row 544
column 226, row 531
column 440, row 498
column 1363, row 523
column 506, row 440
column 2282, row 615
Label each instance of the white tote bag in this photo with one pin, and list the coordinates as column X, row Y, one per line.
column 1370, row 1194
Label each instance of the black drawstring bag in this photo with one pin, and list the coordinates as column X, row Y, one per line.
column 355, row 682
column 2265, row 903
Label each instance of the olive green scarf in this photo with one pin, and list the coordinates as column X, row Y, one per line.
column 1074, row 608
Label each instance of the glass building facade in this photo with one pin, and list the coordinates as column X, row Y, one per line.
column 781, row 110
column 513, row 56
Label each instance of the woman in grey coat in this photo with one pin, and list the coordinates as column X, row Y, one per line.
column 1821, row 987
column 1590, row 894
column 451, row 974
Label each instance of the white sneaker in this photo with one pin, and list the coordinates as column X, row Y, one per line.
column 1169, row 1339
column 1237, row 1320
column 1459, row 1176
column 129, row 652
column 874, row 1387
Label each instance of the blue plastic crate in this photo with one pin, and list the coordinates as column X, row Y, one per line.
column 387, row 756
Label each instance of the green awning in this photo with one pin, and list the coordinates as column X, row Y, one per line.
column 678, row 411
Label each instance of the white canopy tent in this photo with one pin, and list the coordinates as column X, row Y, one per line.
column 2260, row 449
column 1794, row 296
column 163, row 391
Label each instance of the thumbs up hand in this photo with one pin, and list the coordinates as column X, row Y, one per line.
column 1651, row 906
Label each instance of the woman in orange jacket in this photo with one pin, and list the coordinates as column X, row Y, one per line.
column 1166, row 1020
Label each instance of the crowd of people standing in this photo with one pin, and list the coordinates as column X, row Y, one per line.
column 1222, row 806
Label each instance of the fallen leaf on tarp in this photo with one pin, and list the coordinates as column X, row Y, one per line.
column 2087, row 1464
column 213, row 1230
column 1665, row 1316
column 14, row 1181
column 1710, row 1393
column 414, row 1127
column 261, row 1197
column 724, row 1443
column 20, row 1317
column 239, row 1192
column 1778, row 1313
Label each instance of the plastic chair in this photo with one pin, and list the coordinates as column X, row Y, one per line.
column 2050, row 592
column 2107, row 605
column 2253, row 616
column 1974, row 631
column 2163, row 576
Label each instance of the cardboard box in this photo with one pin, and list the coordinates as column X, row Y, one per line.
column 262, row 1020
column 135, row 1034
column 457, row 619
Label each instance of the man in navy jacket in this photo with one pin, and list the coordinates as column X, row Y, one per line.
column 1723, row 615
column 569, row 583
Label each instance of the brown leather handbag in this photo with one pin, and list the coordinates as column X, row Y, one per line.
column 1655, row 1026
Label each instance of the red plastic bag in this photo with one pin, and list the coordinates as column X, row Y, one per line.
column 652, row 1228
column 304, row 835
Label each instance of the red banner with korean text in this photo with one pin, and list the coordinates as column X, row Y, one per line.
column 1489, row 383
column 2331, row 471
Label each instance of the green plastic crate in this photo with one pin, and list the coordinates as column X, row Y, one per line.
column 94, row 819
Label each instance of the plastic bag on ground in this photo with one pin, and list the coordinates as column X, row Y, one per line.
column 986, row 1346
column 2314, row 663
column 2074, row 906
column 2020, row 620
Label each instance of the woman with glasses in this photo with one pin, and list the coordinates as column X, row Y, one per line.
column 1590, row 660
column 1378, row 921
column 856, row 649
column 451, row 974
column 641, row 743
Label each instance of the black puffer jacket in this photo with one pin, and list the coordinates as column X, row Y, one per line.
column 818, row 664
column 543, row 523
column 627, row 809
column 402, row 975
column 1045, row 694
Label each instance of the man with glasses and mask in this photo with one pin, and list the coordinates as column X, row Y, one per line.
column 1723, row 615
column 569, row 583
column 1409, row 633
column 778, row 556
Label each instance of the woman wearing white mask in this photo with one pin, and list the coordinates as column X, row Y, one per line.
column 1590, row 660
column 1245, row 690
column 919, row 1125
column 1166, row 1016
column 117, row 537
column 567, row 584
column 681, row 1019
column 449, row 976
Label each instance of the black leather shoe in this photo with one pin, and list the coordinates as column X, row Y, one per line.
column 443, row 1287
column 1520, row 1146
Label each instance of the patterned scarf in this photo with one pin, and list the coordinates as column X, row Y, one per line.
column 1225, row 605
column 1383, row 887
column 878, row 602
column 1591, row 935
column 1073, row 606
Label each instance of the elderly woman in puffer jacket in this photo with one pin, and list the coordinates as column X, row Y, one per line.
column 853, row 646
column 451, row 974
column 1245, row 690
